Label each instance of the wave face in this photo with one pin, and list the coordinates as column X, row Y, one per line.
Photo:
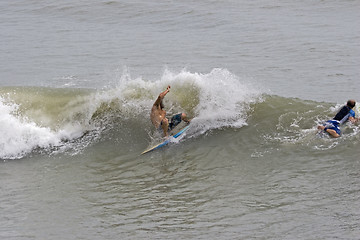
column 53, row 120
column 37, row 120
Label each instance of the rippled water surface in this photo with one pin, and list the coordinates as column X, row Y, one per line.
column 78, row 79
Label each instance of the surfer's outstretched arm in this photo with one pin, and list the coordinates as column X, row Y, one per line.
column 161, row 96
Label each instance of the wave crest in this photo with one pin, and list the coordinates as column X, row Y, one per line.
column 49, row 118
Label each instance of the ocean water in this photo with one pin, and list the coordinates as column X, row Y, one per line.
column 77, row 82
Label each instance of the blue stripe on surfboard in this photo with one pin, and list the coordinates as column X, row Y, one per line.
column 167, row 140
column 181, row 131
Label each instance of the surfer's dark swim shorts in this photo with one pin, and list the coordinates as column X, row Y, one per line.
column 175, row 120
column 334, row 125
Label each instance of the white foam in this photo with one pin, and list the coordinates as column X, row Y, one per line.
column 223, row 98
column 215, row 100
column 20, row 136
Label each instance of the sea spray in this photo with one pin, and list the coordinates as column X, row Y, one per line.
column 48, row 120
column 19, row 136
column 56, row 120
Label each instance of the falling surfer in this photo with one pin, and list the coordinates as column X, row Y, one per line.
column 158, row 115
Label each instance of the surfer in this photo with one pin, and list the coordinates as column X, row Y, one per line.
column 158, row 115
column 345, row 114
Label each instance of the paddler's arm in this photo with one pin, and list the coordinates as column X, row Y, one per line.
column 161, row 96
column 353, row 120
column 352, row 117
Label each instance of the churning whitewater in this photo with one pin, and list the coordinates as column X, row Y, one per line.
column 34, row 118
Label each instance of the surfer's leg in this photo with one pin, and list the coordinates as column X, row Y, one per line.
column 184, row 118
column 165, row 126
column 332, row 129
column 333, row 133
column 321, row 128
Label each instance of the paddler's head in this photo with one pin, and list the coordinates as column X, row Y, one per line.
column 351, row 103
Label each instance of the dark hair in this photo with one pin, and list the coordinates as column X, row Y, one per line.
column 351, row 103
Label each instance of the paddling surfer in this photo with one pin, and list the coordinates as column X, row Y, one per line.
column 158, row 115
column 345, row 114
